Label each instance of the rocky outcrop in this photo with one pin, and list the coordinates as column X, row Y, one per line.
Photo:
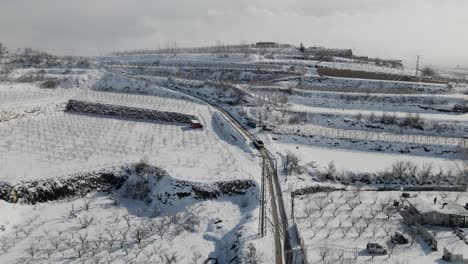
column 126, row 112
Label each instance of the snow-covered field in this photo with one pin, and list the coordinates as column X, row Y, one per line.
column 359, row 126
column 99, row 228
column 40, row 141
column 354, row 160
column 58, row 143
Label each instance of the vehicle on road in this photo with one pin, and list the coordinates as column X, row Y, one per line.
column 195, row 124
column 258, row 144
column 376, row 248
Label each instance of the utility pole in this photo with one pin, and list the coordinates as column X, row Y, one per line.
column 262, row 211
column 417, row 65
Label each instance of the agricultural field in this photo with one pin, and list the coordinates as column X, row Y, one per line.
column 336, row 226
column 128, row 226
column 57, row 143
column 334, row 131
column 43, row 144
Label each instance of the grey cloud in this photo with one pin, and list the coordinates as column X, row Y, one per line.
column 397, row 28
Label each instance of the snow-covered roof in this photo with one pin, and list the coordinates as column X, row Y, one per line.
column 426, row 206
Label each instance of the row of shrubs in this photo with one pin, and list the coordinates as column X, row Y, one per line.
column 401, row 172
column 411, row 120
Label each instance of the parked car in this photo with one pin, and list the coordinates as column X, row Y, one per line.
column 258, row 144
column 376, row 248
column 399, row 238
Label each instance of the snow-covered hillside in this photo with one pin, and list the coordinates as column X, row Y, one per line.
column 100, row 161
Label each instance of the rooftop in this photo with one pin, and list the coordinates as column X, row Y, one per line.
column 423, row 205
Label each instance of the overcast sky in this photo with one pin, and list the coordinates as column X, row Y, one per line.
column 437, row 29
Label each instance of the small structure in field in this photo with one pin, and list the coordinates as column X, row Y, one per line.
column 195, row 124
column 251, row 124
column 426, row 212
column 452, row 257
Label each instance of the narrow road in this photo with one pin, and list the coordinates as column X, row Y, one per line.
column 280, row 222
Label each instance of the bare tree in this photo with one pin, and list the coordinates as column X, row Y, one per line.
column 79, row 248
column 251, row 255
column 128, row 220
column 123, row 237
column 292, row 163
column 352, row 205
column 162, row 225
column 5, row 245
column 308, row 211
column 319, row 201
column 374, row 230
column 428, row 72
column 344, row 231
column 127, row 249
column 111, row 239
column 373, row 213
column 324, row 253
column 353, row 220
column 190, row 221
column 27, row 231
column 399, row 168
column 334, row 211
column 263, row 110
column 148, row 254
column 392, row 248
column 169, row 257
column 383, row 204
column 367, row 221
column 56, row 241
column 114, row 198
column 387, row 228
column 425, row 173
column 88, row 201
column 82, row 237
column 340, row 256
column 72, row 212
column 196, row 257
column 355, row 253
column 412, row 170
column 280, row 102
column 17, row 230
column 139, row 233
column 330, row 172
column 96, row 260
column 389, row 212
column 412, row 234
column 85, row 221
column 444, row 195
column 94, row 247
column 360, row 229
column 400, row 261
column 32, row 249
column 111, row 259
column 100, row 237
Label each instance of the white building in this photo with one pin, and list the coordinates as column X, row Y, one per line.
column 427, row 212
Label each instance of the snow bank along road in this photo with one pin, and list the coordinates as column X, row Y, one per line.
column 280, row 223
